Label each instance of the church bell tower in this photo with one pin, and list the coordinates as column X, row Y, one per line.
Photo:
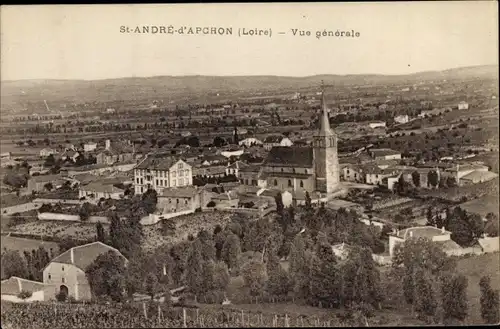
column 326, row 161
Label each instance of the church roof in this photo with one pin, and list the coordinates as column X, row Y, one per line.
column 290, row 156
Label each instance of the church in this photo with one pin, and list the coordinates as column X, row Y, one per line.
column 301, row 169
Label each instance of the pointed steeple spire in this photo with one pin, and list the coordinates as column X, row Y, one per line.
column 324, row 129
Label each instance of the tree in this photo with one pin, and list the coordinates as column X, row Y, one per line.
column 151, row 285
column 454, row 297
column 430, row 217
column 491, row 226
column 433, row 178
column 149, row 200
column 279, row 204
column 106, row 276
column 85, row 211
column 279, row 282
column 489, row 301
column 231, row 252
column 219, row 141
column 425, row 300
column 255, row 276
column 221, row 276
column 416, row 178
column 308, row 200
column 193, row 276
column 48, row 186
column 101, row 235
column 298, row 266
column 13, row 264
column 451, row 181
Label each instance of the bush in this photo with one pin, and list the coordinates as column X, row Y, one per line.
column 25, row 294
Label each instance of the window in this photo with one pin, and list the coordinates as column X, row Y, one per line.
column 179, row 166
column 174, row 173
column 181, row 173
column 50, row 276
column 157, row 182
column 177, row 201
column 290, row 183
column 301, row 184
column 305, row 170
column 181, row 181
column 281, row 169
column 63, row 267
column 293, row 170
column 169, row 200
column 186, row 201
column 187, row 172
column 246, row 181
column 174, row 182
column 137, row 180
column 62, row 280
column 275, row 182
column 348, row 171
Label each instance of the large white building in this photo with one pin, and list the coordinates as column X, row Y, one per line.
column 161, row 171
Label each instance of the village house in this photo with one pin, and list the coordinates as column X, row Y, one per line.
column 432, row 233
column 115, row 153
column 39, row 183
column 463, row 105
column 233, row 168
column 65, row 274
column 252, row 175
column 70, row 155
column 98, row 190
column 276, row 140
column 89, row 147
column 384, row 154
column 160, row 171
column 377, row 124
column 373, row 175
column 210, row 160
column 352, row 173
column 469, row 173
column 210, row 171
column 45, row 152
column 402, row 118
column 179, row 199
column 250, row 141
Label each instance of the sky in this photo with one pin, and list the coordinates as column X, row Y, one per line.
column 84, row 41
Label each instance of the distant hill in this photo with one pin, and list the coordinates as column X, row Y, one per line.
column 175, row 86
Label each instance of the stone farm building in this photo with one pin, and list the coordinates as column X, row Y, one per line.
column 66, row 273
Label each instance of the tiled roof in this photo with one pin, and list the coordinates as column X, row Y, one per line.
column 383, row 152
column 14, row 285
column 251, row 168
column 290, row 157
column 421, row 232
column 274, row 139
column 288, row 174
column 158, row 162
column 84, row 255
column 179, row 192
column 270, row 193
column 45, row 178
column 480, row 175
column 237, row 165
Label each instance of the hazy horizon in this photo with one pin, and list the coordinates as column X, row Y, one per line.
column 252, row 75
column 83, row 42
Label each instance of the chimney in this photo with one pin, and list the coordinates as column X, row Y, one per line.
column 72, row 256
column 108, row 144
column 164, row 270
column 411, row 234
column 443, row 230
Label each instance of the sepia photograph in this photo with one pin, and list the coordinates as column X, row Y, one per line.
column 249, row 165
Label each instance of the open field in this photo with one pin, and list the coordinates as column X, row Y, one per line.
column 474, row 268
column 22, row 244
